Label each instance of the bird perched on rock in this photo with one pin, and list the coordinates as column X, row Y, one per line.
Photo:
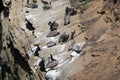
column 63, row 37
column 72, row 34
column 52, row 62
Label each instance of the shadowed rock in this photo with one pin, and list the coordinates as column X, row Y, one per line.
column 29, row 25
column 53, row 63
column 50, row 44
column 1, row 6
column 42, row 65
column 117, row 14
column 101, row 12
column 4, row 61
column 115, row 1
column 53, row 33
column 69, row 12
column 5, row 67
column 37, row 50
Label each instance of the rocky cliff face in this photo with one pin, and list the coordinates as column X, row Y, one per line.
column 14, row 43
column 96, row 23
column 101, row 54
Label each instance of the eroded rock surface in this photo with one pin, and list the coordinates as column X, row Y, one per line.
column 92, row 55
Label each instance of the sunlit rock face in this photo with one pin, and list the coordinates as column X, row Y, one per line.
column 14, row 43
column 92, row 53
column 18, row 43
column 101, row 23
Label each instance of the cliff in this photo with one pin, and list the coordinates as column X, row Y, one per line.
column 96, row 26
column 14, row 43
column 101, row 21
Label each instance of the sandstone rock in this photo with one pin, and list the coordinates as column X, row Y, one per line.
column 15, row 44
column 32, row 5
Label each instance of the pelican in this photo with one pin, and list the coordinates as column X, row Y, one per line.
column 45, row 2
column 52, row 62
column 46, row 7
column 72, row 34
column 63, row 38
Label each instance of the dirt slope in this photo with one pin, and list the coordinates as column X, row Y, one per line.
column 96, row 23
column 101, row 59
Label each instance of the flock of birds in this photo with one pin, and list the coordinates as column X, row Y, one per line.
column 63, row 38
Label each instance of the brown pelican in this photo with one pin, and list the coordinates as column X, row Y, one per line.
column 71, row 10
column 51, row 63
column 45, row 2
column 46, row 7
column 72, row 34
column 53, row 33
column 63, row 38
column 50, row 44
column 53, row 25
column 67, row 19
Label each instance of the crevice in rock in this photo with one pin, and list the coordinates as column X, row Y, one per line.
column 16, row 72
column 6, row 12
column 5, row 69
column 4, row 9
column 0, row 36
column 29, row 25
column 19, row 59
column 1, row 6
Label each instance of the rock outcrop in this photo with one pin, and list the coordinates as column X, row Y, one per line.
column 92, row 55
column 14, row 43
column 101, row 53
